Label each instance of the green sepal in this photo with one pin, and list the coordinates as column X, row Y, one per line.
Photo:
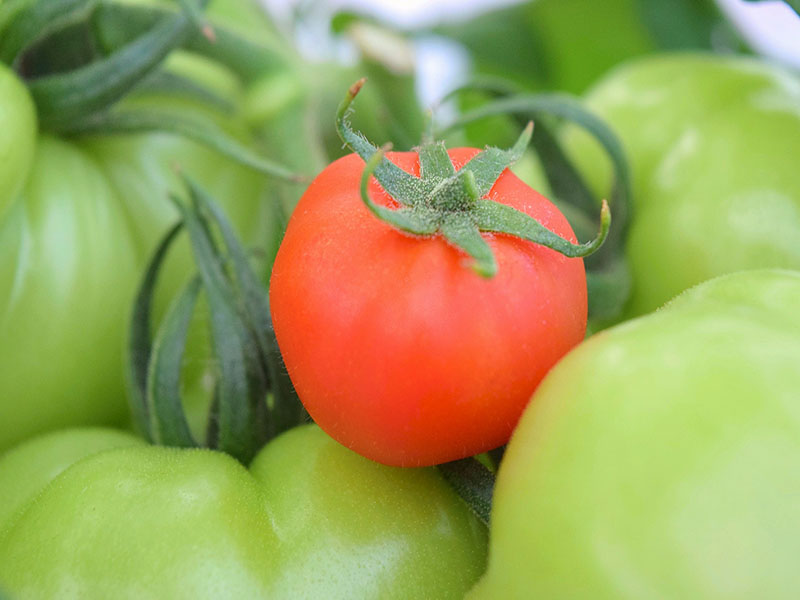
column 404, row 219
column 501, row 218
column 569, row 108
column 229, row 341
column 473, row 482
column 118, row 24
column 64, row 98
column 168, row 424
column 490, row 164
column 400, row 185
column 285, row 410
column 434, row 161
column 608, row 276
column 456, row 194
column 451, row 202
column 140, row 342
column 170, row 84
column 37, row 19
column 130, row 121
column 460, row 231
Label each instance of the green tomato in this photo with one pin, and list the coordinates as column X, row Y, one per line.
column 67, row 275
column 30, row 466
column 311, row 519
column 79, row 219
column 349, row 527
column 661, row 458
column 712, row 142
column 18, row 142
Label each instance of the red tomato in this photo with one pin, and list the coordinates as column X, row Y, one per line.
column 399, row 350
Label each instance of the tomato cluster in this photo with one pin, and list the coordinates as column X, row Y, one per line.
column 501, row 408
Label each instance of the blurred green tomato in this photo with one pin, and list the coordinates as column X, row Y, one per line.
column 713, row 143
column 661, row 458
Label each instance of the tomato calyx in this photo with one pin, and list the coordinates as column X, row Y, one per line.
column 453, row 203
column 608, row 275
column 253, row 399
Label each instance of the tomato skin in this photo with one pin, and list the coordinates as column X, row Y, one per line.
column 364, row 529
column 31, row 465
column 397, row 349
column 18, row 143
column 310, row 519
column 711, row 140
column 67, row 275
column 142, row 521
column 661, row 458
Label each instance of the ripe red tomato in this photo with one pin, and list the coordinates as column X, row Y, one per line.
column 399, row 351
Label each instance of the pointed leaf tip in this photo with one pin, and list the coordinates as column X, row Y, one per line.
column 356, row 87
column 209, row 33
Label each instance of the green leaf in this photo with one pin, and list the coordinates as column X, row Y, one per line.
column 563, row 178
column 608, row 289
column 681, row 24
column 502, row 43
column 9, row 9
column 61, row 51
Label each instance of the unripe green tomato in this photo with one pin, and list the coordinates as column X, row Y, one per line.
column 661, row 458
column 310, row 519
column 79, row 219
column 712, row 143
column 30, row 466
column 67, row 275
column 18, row 142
